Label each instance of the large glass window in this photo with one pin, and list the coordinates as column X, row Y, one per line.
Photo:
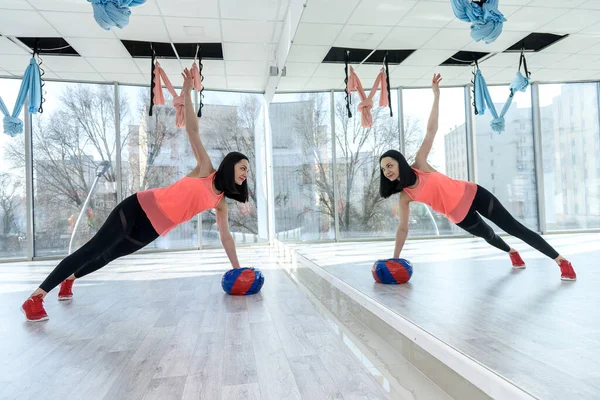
column 449, row 152
column 506, row 161
column 570, row 151
column 13, row 229
column 155, row 153
column 235, row 122
column 302, row 166
column 71, row 139
column 362, row 212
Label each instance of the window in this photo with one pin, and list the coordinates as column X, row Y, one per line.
column 13, row 229
column 512, row 178
column 302, row 166
column 448, row 154
column 361, row 211
column 71, row 139
column 580, row 198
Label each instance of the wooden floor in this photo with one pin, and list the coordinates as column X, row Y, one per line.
column 158, row 326
column 539, row 332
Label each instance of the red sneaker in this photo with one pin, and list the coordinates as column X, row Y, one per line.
column 567, row 273
column 33, row 308
column 66, row 290
column 516, row 260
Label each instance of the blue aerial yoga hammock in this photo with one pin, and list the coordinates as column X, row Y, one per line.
column 111, row 13
column 483, row 97
column 32, row 85
column 485, row 18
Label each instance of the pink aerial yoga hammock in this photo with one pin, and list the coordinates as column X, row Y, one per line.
column 178, row 100
column 366, row 102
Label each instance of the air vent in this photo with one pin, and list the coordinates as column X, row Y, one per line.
column 55, row 46
column 464, row 58
column 138, row 49
column 535, row 42
column 338, row 55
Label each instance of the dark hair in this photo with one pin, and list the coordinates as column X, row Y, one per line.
column 225, row 178
column 407, row 177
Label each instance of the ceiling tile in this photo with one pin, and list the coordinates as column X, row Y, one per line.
column 185, row 8
column 60, row 64
column 138, row 30
column 291, row 84
column 126, row 78
column 301, row 53
column 330, row 71
column 246, row 82
column 215, row 82
column 8, row 47
column 506, row 40
column 190, row 30
column 247, row 31
column 246, row 68
column 76, row 25
column 317, row 34
column 210, row 67
column 15, row 4
column 385, row 12
column 504, row 60
column 591, row 4
column 80, row 76
column 549, row 75
column 113, row 65
column 428, row 58
column 260, row 10
column 532, row 18
column 407, row 72
column 370, row 36
column 322, row 84
column 573, row 44
column 299, row 69
column 408, row 38
column 93, row 47
column 449, row 39
column 329, row 12
column 25, row 24
column 63, row 5
column 247, row 52
column 573, row 21
column 556, row 3
column 428, row 14
column 15, row 62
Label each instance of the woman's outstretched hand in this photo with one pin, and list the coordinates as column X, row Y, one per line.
column 435, row 84
column 188, row 81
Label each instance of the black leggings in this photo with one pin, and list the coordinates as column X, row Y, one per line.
column 126, row 230
column 487, row 205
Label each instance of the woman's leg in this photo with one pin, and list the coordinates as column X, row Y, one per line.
column 491, row 208
column 112, row 238
column 477, row 227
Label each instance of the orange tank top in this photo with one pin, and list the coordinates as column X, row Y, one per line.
column 172, row 205
column 447, row 196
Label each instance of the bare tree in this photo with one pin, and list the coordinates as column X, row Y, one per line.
column 232, row 128
column 357, row 159
column 9, row 202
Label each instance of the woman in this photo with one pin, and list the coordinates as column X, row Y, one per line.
column 141, row 218
column 464, row 203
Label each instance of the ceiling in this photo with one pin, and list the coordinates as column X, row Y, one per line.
column 249, row 31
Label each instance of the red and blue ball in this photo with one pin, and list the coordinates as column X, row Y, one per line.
column 392, row 271
column 242, row 281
